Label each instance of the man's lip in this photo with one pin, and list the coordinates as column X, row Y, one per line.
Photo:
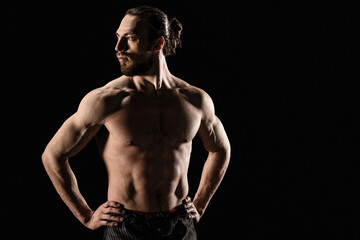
column 122, row 58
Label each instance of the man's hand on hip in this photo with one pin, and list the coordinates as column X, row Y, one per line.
column 108, row 214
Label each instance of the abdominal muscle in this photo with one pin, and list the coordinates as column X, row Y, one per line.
column 147, row 179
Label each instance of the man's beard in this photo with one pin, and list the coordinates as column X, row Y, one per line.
column 136, row 65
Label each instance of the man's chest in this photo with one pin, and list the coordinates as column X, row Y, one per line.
column 155, row 118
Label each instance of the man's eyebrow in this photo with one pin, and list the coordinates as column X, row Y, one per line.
column 126, row 34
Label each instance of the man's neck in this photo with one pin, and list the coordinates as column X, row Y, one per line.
column 159, row 76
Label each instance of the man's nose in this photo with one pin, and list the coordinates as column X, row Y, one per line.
column 121, row 45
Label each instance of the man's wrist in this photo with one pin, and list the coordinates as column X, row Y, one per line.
column 84, row 216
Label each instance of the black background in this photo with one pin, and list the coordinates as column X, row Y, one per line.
column 284, row 78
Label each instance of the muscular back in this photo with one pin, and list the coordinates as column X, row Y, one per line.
column 146, row 142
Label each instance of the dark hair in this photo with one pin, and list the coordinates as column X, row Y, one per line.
column 160, row 26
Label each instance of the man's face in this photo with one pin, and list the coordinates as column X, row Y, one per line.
column 133, row 48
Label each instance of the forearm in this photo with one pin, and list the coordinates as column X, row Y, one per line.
column 212, row 175
column 66, row 186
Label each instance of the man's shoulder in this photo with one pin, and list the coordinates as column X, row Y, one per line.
column 105, row 98
column 113, row 89
column 187, row 88
column 199, row 97
column 117, row 85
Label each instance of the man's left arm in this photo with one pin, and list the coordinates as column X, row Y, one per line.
column 216, row 142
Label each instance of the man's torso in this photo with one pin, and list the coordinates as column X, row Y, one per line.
column 146, row 145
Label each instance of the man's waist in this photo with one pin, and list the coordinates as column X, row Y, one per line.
column 178, row 210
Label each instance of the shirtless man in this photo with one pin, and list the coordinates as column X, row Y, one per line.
column 144, row 123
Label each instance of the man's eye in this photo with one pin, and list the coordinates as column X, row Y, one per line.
column 131, row 38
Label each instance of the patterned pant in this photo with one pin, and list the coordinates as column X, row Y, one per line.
column 145, row 226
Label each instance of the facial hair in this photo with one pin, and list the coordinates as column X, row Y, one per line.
column 137, row 64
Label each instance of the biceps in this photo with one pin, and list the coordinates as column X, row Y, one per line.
column 213, row 136
column 71, row 137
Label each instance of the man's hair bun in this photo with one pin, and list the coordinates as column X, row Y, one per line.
column 175, row 29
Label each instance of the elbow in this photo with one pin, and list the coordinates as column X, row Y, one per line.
column 46, row 161
column 227, row 156
column 49, row 158
column 223, row 153
column 227, row 151
column 45, row 158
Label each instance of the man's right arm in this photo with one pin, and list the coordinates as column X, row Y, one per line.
column 71, row 138
column 67, row 142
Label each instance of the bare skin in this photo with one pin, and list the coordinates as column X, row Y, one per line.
column 144, row 126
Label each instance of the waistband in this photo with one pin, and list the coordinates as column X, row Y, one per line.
column 151, row 215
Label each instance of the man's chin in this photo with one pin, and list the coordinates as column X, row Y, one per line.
column 126, row 71
column 129, row 74
column 135, row 69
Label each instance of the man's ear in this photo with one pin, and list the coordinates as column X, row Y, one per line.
column 158, row 44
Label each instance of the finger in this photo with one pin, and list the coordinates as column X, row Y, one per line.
column 192, row 215
column 111, row 218
column 113, row 204
column 192, row 210
column 189, row 205
column 110, row 224
column 187, row 200
column 112, row 210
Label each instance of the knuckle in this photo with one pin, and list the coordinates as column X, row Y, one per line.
column 107, row 223
column 117, row 211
